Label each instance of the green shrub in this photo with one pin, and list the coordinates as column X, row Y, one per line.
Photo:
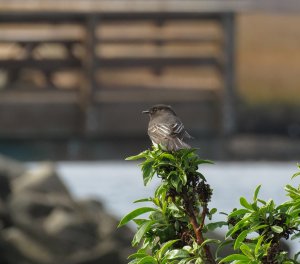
column 174, row 227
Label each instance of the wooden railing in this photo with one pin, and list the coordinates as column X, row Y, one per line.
column 116, row 59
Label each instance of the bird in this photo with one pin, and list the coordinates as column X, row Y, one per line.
column 166, row 129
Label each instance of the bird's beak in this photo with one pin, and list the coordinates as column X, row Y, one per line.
column 146, row 112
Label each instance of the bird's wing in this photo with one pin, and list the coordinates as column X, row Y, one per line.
column 175, row 143
column 177, row 128
column 161, row 130
column 167, row 130
column 169, row 135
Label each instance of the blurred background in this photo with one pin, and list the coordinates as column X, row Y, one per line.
column 75, row 76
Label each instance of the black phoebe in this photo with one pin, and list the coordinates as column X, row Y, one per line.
column 166, row 129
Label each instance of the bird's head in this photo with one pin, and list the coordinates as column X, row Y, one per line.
column 159, row 109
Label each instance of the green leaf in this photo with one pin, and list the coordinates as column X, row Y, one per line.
column 141, row 232
column 188, row 249
column 256, row 192
column 247, row 251
column 257, row 227
column 270, row 206
column 142, row 155
column 262, row 201
column 234, row 257
column 213, row 211
column 277, row 229
column 168, row 156
column 134, row 261
column 221, row 246
column 175, row 181
column 147, row 260
column 244, row 203
column 239, row 225
column 198, row 261
column 223, row 213
column 296, row 256
column 137, row 255
column 204, row 162
column 258, row 245
column 157, row 215
column 161, row 190
column 187, row 152
column 177, row 254
column 165, row 247
column 139, row 221
column 143, row 200
column 148, row 171
column 183, row 178
column 297, row 173
column 297, row 235
column 134, row 214
column 210, row 240
column 172, row 174
column 239, row 212
column 201, row 176
column 215, row 225
column 241, row 237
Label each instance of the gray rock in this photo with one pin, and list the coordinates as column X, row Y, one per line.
column 107, row 228
column 11, row 168
column 73, row 231
column 5, row 220
column 24, row 249
column 43, row 179
column 42, row 223
column 27, row 208
column 5, row 189
column 106, row 253
column 94, row 209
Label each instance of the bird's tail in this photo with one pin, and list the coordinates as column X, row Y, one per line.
column 175, row 144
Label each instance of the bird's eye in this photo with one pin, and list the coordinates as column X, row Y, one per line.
column 154, row 109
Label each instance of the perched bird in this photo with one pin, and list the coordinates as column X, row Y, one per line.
column 166, row 129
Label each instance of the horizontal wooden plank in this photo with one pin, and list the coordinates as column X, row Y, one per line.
column 45, row 64
column 33, row 88
column 35, row 33
column 158, row 39
column 185, row 78
column 19, row 97
column 157, row 62
column 164, row 82
column 153, row 95
column 18, row 40
column 116, row 6
column 154, row 6
column 54, row 17
column 159, row 87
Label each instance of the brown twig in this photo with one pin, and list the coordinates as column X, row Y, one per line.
column 196, row 227
column 203, row 215
column 199, row 237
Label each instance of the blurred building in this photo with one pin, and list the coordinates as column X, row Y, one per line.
column 75, row 77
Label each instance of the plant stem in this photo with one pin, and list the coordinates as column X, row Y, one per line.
column 203, row 215
column 200, row 239
column 198, row 234
column 196, row 227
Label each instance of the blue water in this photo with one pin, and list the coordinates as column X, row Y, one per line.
column 118, row 184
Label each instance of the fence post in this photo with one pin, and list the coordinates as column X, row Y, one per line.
column 229, row 115
column 89, row 64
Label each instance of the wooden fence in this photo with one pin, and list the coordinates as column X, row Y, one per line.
column 90, row 71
